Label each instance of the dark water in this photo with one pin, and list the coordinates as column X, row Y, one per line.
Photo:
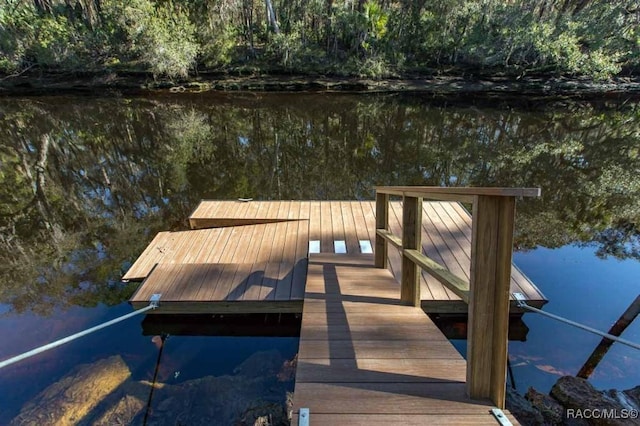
column 86, row 182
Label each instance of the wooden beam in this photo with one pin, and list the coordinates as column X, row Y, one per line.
column 491, row 252
column 411, row 240
column 429, row 195
column 391, row 238
column 426, row 191
column 454, row 283
column 382, row 222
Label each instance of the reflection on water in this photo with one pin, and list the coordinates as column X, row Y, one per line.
column 109, row 375
column 586, row 289
column 85, row 183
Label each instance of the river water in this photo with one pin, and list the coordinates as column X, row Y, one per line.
column 86, row 182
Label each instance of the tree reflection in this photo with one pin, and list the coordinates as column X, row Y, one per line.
column 85, row 183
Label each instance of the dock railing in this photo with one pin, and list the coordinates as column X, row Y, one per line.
column 487, row 293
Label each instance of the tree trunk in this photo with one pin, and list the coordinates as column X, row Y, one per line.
column 272, row 17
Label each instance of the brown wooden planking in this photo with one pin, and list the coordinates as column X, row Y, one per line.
column 315, row 221
column 285, row 273
column 395, row 226
column 378, row 349
column 252, row 284
column 264, row 253
column 364, row 419
column 528, row 288
column 208, row 281
column 369, row 213
column 337, row 223
column 348, row 225
column 275, row 263
column 149, row 257
column 326, row 234
column 350, row 234
column 463, row 240
column 387, row 398
column 360, row 224
column 299, row 271
column 335, row 370
column 224, row 307
column 495, row 191
column 437, row 290
column 243, row 250
column 226, row 283
column 333, row 378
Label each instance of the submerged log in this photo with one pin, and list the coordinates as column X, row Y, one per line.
column 69, row 400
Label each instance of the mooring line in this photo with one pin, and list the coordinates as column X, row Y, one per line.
column 154, row 302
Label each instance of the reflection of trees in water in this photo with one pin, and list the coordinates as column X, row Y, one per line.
column 85, row 183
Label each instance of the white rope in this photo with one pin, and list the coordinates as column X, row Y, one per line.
column 152, row 305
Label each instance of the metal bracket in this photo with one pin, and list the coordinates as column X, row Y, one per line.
column 501, row 417
column 303, row 417
column 521, row 301
column 154, row 301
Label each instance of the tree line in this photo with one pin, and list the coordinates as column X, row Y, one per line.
column 372, row 38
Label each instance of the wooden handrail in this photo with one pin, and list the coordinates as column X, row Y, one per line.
column 450, row 280
column 427, row 191
column 487, row 292
column 390, row 237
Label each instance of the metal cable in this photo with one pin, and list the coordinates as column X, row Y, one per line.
column 522, row 304
column 153, row 304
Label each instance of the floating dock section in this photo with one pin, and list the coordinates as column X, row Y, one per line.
column 251, row 257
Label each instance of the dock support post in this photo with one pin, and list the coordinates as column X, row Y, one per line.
column 411, row 240
column 491, row 252
column 382, row 222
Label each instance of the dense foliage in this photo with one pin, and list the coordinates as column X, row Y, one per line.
column 374, row 38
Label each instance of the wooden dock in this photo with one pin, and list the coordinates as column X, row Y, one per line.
column 368, row 352
column 256, row 252
column 366, row 359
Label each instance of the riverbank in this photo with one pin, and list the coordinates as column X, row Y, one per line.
column 458, row 85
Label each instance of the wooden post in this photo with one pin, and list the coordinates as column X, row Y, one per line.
column 382, row 222
column 411, row 239
column 487, row 338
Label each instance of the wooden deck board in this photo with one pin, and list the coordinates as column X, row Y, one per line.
column 365, row 419
column 277, row 268
column 383, row 360
column 337, row 223
column 275, row 264
column 350, row 235
column 326, row 233
column 395, row 226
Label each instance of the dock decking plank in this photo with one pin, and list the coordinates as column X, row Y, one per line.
column 381, row 359
column 264, row 254
column 277, row 265
column 395, row 226
column 326, row 234
column 149, row 257
column 350, row 232
column 363, row 419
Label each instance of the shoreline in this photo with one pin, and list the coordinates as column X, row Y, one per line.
column 457, row 85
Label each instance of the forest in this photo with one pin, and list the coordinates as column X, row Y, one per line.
column 178, row 39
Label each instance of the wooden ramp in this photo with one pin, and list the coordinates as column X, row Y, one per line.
column 365, row 359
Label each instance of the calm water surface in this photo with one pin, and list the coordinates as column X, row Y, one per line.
column 85, row 183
